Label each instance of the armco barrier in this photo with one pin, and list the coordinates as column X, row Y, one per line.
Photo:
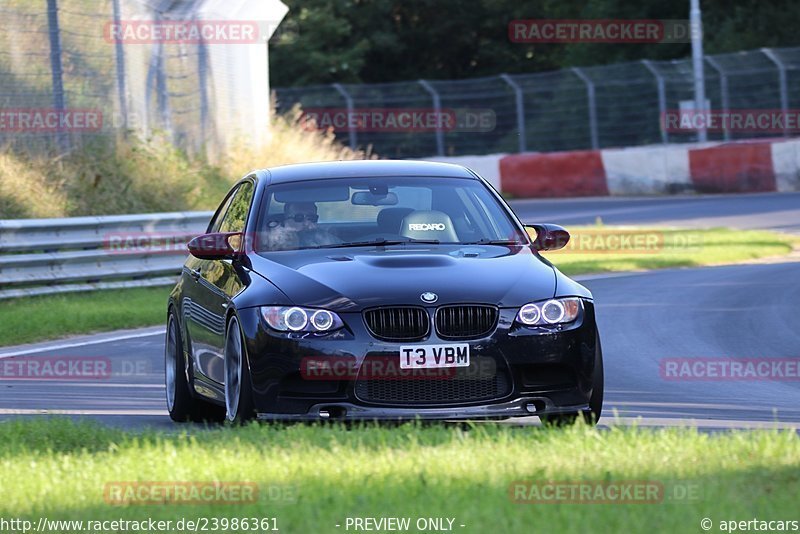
column 556, row 174
column 40, row 256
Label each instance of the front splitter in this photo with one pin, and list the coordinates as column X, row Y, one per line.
column 520, row 407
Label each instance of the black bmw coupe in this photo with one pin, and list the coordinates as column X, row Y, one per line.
column 384, row 290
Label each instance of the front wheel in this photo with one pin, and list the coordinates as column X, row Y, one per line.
column 182, row 406
column 239, row 405
column 179, row 400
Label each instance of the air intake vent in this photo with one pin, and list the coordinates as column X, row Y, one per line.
column 465, row 322
column 455, row 390
column 398, row 324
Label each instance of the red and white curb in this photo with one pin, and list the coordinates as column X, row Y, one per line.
column 735, row 167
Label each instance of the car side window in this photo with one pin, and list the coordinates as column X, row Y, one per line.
column 236, row 216
column 217, row 220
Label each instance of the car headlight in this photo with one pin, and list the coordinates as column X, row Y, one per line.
column 297, row 319
column 550, row 312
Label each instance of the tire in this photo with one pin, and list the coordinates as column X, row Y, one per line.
column 592, row 415
column 182, row 406
column 239, row 406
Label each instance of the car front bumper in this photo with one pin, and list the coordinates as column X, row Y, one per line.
column 546, row 371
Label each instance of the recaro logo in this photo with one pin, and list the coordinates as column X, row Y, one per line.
column 426, row 226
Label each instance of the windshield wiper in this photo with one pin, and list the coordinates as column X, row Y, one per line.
column 494, row 242
column 379, row 243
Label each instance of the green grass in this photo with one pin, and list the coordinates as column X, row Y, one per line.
column 59, row 469
column 593, row 249
column 81, row 313
column 53, row 316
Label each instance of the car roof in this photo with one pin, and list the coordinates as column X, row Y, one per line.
column 364, row 168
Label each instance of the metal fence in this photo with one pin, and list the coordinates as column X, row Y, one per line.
column 615, row 105
column 57, row 54
column 42, row 256
column 60, row 55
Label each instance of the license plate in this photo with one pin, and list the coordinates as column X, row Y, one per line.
column 434, row 356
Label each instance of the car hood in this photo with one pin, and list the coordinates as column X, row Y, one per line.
column 353, row 279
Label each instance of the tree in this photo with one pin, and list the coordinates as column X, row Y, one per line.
column 374, row 41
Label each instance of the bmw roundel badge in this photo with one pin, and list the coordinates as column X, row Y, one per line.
column 429, row 297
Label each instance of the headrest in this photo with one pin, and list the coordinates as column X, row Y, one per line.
column 428, row 225
column 389, row 219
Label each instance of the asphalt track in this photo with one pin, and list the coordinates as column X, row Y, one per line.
column 719, row 313
column 775, row 211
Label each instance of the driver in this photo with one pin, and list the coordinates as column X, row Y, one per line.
column 299, row 228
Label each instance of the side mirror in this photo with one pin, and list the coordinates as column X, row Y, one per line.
column 216, row 246
column 548, row 236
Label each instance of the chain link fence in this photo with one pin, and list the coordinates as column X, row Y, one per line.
column 616, row 105
column 66, row 77
column 57, row 55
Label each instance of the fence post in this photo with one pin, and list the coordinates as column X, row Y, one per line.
column 783, row 86
column 662, row 99
column 157, row 78
column 437, row 108
column 520, row 110
column 592, row 106
column 696, row 28
column 120, row 63
column 350, row 109
column 723, row 90
column 56, row 70
column 202, row 75
column 161, row 88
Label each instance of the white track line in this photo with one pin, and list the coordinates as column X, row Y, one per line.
column 30, row 411
column 84, row 343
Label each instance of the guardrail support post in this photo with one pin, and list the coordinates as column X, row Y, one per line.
column 350, row 109
column 437, row 108
column 592, row 106
column 520, row 110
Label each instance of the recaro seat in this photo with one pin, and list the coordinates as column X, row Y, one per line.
column 429, row 225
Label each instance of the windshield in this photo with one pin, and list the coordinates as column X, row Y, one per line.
column 350, row 212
